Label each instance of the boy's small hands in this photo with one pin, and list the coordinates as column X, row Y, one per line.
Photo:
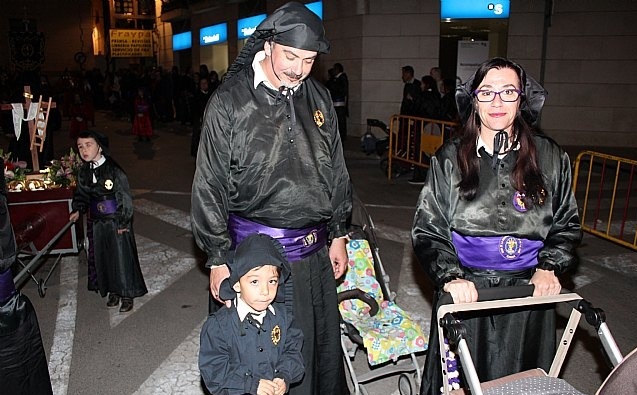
column 267, row 387
column 281, row 386
column 75, row 215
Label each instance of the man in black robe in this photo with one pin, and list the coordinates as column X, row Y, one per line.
column 23, row 366
column 270, row 160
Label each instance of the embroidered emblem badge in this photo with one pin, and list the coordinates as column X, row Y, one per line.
column 101, row 207
column 108, row 184
column 310, row 238
column 518, row 202
column 319, row 118
column 276, row 335
column 510, row 247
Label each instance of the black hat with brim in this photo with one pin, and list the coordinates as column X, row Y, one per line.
column 254, row 251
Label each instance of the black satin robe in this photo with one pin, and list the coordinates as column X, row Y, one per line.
column 513, row 337
column 115, row 255
column 278, row 161
column 23, row 366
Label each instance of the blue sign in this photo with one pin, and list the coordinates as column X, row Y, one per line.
column 316, row 7
column 213, row 34
column 474, row 9
column 246, row 26
column 182, row 41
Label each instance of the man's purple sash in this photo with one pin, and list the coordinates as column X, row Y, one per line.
column 7, row 287
column 103, row 207
column 298, row 243
column 496, row 252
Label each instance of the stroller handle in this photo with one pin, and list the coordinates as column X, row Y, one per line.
column 487, row 294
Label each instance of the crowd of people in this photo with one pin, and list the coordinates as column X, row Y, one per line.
column 271, row 199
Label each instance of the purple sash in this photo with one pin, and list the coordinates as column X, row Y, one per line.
column 298, row 243
column 7, row 287
column 103, row 207
column 496, row 252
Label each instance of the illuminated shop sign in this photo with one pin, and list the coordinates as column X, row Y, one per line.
column 246, row 26
column 213, row 34
column 316, row 7
column 475, row 9
column 182, row 41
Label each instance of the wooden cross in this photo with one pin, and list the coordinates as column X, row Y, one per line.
column 35, row 140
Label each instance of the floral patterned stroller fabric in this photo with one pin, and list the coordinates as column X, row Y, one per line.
column 391, row 333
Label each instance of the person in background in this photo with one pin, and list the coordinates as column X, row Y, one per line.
column 448, row 107
column 103, row 193
column 142, row 124
column 339, row 89
column 497, row 210
column 428, row 106
column 252, row 347
column 270, row 160
column 79, row 116
column 202, row 95
column 436, row 74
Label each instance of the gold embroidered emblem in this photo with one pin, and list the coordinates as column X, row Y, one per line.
column 319, row 118
column 108, row 184
column 310, row 238
column 276, row 335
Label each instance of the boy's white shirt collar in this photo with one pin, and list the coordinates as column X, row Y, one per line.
column 243, row 309
column 99, row 162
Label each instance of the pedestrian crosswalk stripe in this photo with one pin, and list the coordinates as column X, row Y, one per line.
column 165, row 213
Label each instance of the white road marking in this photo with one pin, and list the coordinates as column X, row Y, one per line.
column 179, row 373
column 165, row 213
column 161, row 266
column 62, row 347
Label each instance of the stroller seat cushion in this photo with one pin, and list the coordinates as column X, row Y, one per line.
column 391, row 333
column 537, row 385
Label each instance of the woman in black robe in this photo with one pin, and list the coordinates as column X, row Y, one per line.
column 497, row 210
column 103, row 193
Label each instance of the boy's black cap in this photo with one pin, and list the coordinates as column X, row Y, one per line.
column 101, row 139
column 254, row 251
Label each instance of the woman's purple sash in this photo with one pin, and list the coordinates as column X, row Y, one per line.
column 7, row 287
column 496, row 252
column 298, row 243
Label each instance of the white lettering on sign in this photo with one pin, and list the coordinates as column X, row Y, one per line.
column 247, row 31
column 497, row 8
column 211, row 39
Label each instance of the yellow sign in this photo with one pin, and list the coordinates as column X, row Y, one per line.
column 131, row 43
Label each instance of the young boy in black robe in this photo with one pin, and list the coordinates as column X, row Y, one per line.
column 103, row 192
column 252, row 347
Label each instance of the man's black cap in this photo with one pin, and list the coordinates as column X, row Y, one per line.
column 293, row 25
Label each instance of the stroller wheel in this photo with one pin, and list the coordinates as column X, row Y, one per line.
column 406, row 384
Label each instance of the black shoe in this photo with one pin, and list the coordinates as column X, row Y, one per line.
column 113, row 300
column 127, row 305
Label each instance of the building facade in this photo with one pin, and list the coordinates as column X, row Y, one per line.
column 581, row 50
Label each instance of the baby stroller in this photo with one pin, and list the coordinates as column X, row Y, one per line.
column 370, row 320
column 534, row 381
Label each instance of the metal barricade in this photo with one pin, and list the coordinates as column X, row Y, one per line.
column 413, row 140
column 603, row 187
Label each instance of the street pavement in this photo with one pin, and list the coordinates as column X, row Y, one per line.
column 153, row 349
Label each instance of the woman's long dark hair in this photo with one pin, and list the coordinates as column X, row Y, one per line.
column 526, row 177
